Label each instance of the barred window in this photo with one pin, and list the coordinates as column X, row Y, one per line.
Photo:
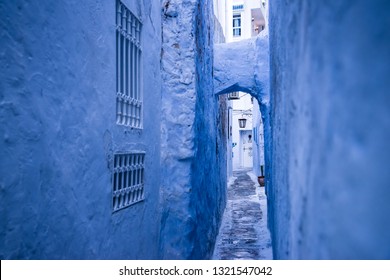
column 236, row 25
column 128, row 179
column 128, row 60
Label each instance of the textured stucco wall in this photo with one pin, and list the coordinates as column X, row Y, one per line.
column 58, row 132
column 331, row 125
column 193, row 160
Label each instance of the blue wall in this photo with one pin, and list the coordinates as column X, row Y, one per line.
column 209, row 170
column 330, row 128
column 193, row 148
column 58, row 132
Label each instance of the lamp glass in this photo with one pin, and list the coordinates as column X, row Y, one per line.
column 242, row 123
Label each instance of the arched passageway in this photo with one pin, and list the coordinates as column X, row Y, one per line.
column 244, row 67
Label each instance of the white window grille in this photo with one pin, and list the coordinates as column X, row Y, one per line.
column 128, row 179
column 128, row 60
column 236, row 25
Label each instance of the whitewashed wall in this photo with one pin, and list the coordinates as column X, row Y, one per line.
column 244, row 103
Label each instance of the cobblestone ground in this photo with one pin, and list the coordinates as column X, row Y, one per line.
column 243, row 233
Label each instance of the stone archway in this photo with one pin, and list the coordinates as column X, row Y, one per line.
column 243, row 66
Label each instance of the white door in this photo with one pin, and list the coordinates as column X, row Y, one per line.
column 247, row 152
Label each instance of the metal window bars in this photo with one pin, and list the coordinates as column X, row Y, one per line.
column 128, row 179
column 129, row 70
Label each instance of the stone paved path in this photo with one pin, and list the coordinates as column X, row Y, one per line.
column 243, row 233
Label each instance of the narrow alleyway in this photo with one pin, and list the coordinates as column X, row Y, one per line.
column 243, row 233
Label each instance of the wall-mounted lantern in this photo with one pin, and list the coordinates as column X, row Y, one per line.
column 242, row 123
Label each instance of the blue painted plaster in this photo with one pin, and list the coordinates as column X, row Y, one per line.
column 58, row 132
column 330, row 124
column 193, row 147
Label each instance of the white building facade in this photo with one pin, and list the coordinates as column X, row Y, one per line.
column 241, row 19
